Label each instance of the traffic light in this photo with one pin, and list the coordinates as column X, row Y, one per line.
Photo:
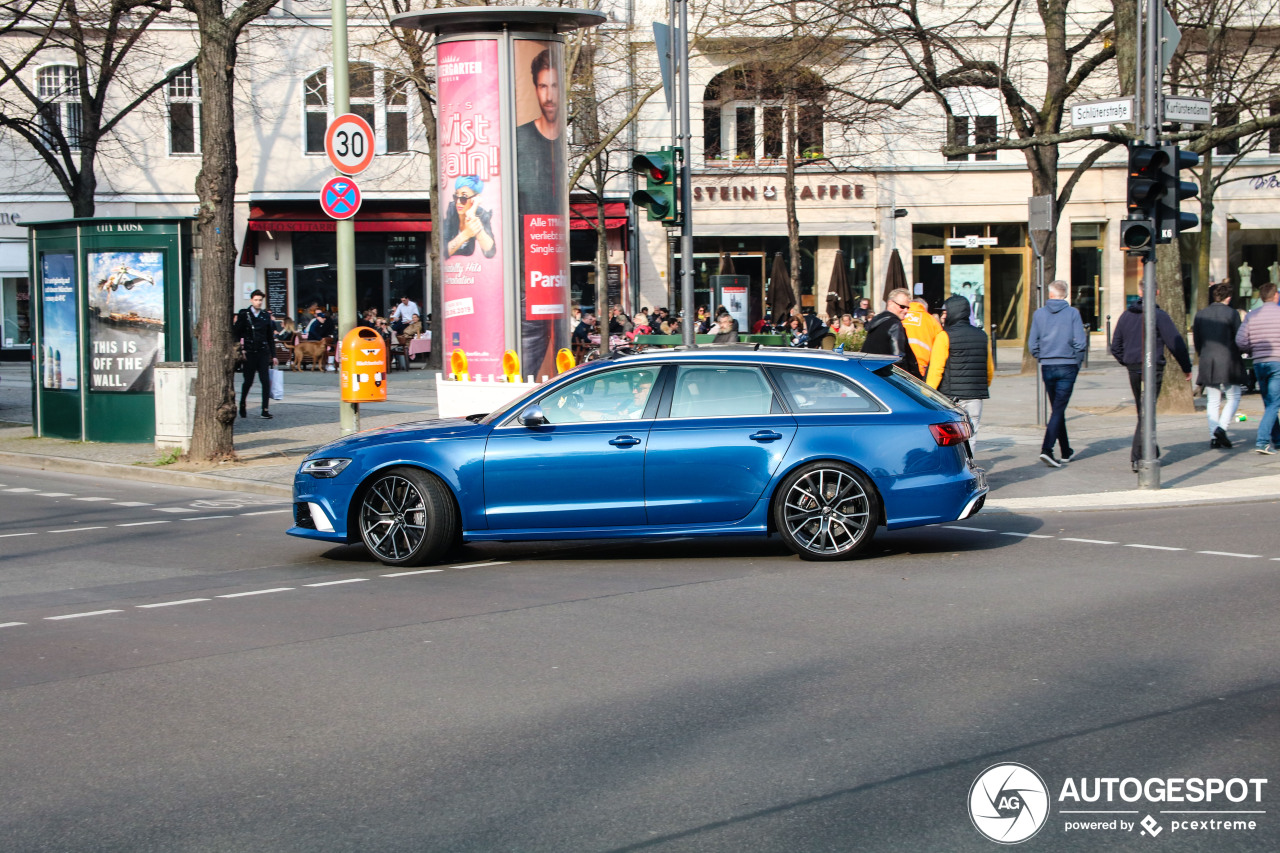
column 1145, row 188
column 1137, row 235
column 659, row 195
column 1170, row 220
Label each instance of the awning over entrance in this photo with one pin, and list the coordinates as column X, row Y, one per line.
column 278, row 217
column 582, row 215
column 1257, row 220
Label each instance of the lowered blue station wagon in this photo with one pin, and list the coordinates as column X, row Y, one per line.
column 819, row 448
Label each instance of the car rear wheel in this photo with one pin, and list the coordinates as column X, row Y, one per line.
column 826, row 511
column 407, row 518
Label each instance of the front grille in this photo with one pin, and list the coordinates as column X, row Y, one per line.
column 302, row 516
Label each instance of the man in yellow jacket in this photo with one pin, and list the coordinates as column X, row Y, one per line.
column 957, row 368
column 921, row 329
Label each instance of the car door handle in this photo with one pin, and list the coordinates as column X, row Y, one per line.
column 624, row 441
column 765, row 435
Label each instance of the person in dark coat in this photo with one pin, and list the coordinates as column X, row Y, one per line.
column 961, row 365
column 255, row 328
column 1126, row 347
column 885, row 335
column 1213, row 333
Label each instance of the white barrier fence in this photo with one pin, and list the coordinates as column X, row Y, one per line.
column 473, row 395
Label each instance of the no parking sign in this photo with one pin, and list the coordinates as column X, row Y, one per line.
column 340, row 198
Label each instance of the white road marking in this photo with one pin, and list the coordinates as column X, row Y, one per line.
column 1229, row 554
column 7, row 535
column 266, row 512
column 972, row 529
column 1090, row 541
column 1156, row 547
column 11, row 624
column 18, row 490
column 418, row 572
column 333, row 583
column 171, row 603
column 142, row 523
column 132, row 503
column 204, row 517
column 55, row 494
column 1026, row 535
column 174, row 509
column 256, row 592
column 93, row 500
column 78, row 615
column 78, row 529
column 478, row 565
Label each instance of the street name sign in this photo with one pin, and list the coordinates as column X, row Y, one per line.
column 349, row 144
column 973, row 241
column 340, row 198
column 1188, row 110
column 1113, row 111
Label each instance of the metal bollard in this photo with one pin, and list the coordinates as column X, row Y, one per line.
column 1108, row 333
column 1088, row 345
column 995, row 361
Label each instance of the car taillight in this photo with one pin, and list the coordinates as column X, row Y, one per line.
column 952, row 432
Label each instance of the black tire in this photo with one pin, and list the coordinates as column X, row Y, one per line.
column 826, row 511
column 407, row 517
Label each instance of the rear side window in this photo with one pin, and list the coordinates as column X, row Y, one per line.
column 810, row 393
column 709, row 392
column 917, row 390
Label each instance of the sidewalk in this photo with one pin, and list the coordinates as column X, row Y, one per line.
column 1100, row 421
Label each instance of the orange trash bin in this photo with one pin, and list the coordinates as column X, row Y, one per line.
column 363, row 369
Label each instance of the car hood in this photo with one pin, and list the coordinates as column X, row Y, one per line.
column 412, row 431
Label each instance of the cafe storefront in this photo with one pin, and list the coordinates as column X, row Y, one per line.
column 988, row 264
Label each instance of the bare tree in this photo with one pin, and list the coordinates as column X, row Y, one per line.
column 219, row 29
column 69, row 110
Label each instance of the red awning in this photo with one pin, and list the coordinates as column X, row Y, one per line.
column 582, row 215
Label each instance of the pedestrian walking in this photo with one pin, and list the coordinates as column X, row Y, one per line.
column 1259, row 335
column 1127, row 348
column 256, row 329
column 1058, row 341
column 921, row 328
column 961, row 367
column 1213, row 334
column 885, row 335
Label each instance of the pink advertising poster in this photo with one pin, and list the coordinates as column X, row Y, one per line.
column 471, row 230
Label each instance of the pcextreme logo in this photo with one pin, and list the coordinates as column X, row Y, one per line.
column 1009, row 803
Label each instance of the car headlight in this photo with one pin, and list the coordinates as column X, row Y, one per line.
column 324, row 468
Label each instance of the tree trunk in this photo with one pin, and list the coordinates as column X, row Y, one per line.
column 83, row 201
column 602, row 269
column 1175, row 392
column 213, row 439
column 1205, row 247
column 789, row 185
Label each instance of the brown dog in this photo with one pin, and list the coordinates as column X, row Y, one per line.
column 314, row 350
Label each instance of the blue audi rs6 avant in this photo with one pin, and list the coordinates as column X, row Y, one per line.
column 816, row 447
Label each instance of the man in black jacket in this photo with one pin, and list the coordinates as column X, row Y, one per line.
column 885, row 335
column 1221, row 367
column 256, row 329
column 1127, row 348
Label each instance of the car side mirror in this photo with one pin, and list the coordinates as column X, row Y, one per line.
column 533, row 417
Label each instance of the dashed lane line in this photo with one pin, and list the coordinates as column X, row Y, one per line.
column 54, row 495
column 266, row 512
column 131, row 503
column 144, row 523
column 1090, row 541
column 335, row 583
column 417, row 572
column 79, row 529
column 11, row 624
column 1026, row 535
column 256, row 592
column 1154, row 547
column 78, row 615
column 174, row 509
column 8, row 535
column 1230, row 554
column 970, row 529
column 203, row 517
column 17, row 490
column 480, row 565
column 170, row 603
column 92, row 500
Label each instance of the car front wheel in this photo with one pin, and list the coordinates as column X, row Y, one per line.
column 826, row 511
column 407, row 518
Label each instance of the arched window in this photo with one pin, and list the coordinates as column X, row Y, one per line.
column 59, row 88
column 379, row 96
column 182, row 96
column 744, row 114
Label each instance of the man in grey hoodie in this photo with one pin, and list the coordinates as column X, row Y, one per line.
column 1058, row 342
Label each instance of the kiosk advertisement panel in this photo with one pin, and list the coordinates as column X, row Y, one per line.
column 541, row 183
column 470, row 134
column 126, row 320
column 59, row 339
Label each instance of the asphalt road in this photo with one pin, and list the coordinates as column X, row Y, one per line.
column 178, row 675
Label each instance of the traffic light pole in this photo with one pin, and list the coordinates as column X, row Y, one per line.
column 1149, row 465
column 685, row 187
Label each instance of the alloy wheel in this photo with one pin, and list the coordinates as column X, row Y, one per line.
column 827, row 512
column 393, row 518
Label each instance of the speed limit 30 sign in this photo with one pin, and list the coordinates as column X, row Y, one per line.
column 349, row 144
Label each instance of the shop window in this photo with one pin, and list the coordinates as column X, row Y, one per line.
column 971, row 130
column 182, row 97
column 1010, row 235
column 744, row 114
column 711, row 147
column 745, row 139
column 377, row 95
column 1225, row 116
column 984, row 132
column 927, row 237
column 58, row 89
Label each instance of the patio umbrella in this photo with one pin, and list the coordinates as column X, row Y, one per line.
column 895, row 277
column 839, row 299
column 726, row 265
column 781, row 297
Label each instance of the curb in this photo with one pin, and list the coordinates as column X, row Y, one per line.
column 1237, row 491
column 115, row 470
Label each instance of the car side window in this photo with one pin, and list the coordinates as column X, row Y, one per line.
column 715, row 391
column 615, row 395
column 809, row 392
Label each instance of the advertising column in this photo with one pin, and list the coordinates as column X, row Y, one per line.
column 543, row 204
column 473, row 256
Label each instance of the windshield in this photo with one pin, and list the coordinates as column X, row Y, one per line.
column 917, row 390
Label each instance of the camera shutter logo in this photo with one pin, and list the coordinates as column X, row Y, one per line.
column 1008, row 803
